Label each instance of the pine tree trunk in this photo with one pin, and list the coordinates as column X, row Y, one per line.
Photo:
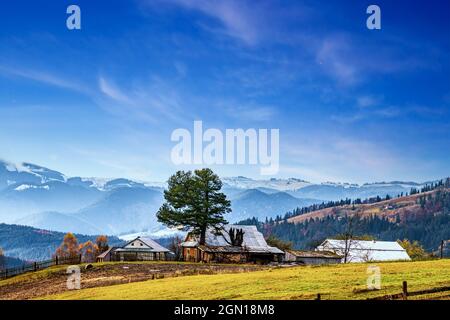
column 203, row 236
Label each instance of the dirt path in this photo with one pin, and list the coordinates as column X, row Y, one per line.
column 110, row 274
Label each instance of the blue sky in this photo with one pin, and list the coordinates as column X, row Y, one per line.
column 351, row 104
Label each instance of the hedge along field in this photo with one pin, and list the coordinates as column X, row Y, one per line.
column 332, row 282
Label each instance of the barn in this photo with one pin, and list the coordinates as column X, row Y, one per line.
column 138, row 249
column 365, row 251
column 312, row 257
column 220, row 247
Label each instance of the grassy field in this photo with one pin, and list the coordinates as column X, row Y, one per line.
column 53, row 280
column 332, row 282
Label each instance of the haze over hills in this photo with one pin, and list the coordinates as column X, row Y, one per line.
column 44, row 198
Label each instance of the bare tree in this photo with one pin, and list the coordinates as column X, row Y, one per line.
column 236, row 237
column 348, row 236
column 175, row 247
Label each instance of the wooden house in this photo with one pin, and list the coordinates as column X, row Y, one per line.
column 139, row 249
column 221, row 247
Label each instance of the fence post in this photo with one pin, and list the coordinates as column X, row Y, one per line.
column 35, row 266
column 405, row 290
column 79, row 259
column 56, row 260
column 318, row 297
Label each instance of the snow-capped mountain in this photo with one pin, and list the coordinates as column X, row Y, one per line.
column 290, row 184
column 40, row 197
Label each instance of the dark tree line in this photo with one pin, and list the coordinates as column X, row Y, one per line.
column 444, row 183
column 429, row 225
column 432, row 186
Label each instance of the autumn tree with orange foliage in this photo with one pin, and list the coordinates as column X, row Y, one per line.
column 88, row 251
column 102, row 244
column 69, row 248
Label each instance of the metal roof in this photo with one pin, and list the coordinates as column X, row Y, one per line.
column 105, row 253
column 314, row 254
column 233, row 249
column 189, row 244
column 253, row 240
column 151, row 244
column 362, row 251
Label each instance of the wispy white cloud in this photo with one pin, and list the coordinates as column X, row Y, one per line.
column 366, row 101
column 338, row 158
column 333, row 55
column 147, row 102
column 248, row 22
column 120, row 164
column 237, row 18
column 350, row 60
column 248, row 112
column 44, row 77
column 369, row 107
column 112, row 91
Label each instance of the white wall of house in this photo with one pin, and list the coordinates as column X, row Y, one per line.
column 136, row 244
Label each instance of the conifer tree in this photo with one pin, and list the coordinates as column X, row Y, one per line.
column 194, row 202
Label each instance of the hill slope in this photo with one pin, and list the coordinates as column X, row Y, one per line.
column 347, row 282
column 31, row 244
column 389, row 208
column 423, row 217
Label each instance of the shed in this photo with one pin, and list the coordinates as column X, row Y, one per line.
column 106, row 256
column 312, row 257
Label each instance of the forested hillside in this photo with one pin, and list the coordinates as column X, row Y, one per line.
column 31, row 244
column 426, row 219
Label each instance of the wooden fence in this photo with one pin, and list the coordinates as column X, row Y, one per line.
column 35, row 266
column 406, row 293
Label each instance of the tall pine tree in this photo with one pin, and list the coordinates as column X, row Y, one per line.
column 194, row 201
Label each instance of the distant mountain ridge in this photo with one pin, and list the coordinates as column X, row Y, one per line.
column 44, row 198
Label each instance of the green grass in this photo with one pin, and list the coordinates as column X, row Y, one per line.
column 47, row 272
column 31, row 276
column 333, row 282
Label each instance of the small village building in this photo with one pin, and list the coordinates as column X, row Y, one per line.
column 365, row 251
column 312, row 257
column 139, row 249
column 219, row 248
column 106, row 256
